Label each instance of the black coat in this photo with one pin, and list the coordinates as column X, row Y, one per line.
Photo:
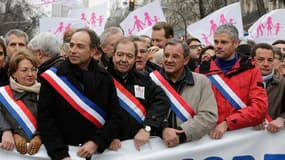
column 155, row 102
column 61, row 125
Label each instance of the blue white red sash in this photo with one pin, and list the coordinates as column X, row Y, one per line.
column 229, row 94
column 178, row 104
column 75, row 98
column 130, row 103
column 19, row 111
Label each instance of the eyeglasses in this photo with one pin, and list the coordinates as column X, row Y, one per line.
column 28, row 70
column 195, row 46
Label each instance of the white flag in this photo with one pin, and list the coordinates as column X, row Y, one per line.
column 269, row 27
column 140, row 21
column 59, row 25
column 95, row 18
column 205, row 28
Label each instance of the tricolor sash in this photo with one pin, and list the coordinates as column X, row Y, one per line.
column 229, row 94
column 75, row 98
column 19, row 111
column 178, row 104
column 130, row 103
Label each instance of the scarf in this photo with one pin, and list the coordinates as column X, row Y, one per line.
column 267, row 78
column 35, row 88
column 226, row 65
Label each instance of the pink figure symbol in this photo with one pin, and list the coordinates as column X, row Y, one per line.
column 232, row 21
column 269, row 25
column 100, row 19
column 155, row 19
column 148, row 20
column 138, row 23
column 205, row 38
column 130, row 31
column 59, row 28
column 222, row 19
column 93, row 19
column 277, row 27
column 68, row 27
column 259, row 29
column 213, row 27
column 83, row 18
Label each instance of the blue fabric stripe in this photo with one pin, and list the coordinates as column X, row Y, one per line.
column 224, row 92
column 177, row 112
column 80, row 95
column 16, row 116
column 130, row 111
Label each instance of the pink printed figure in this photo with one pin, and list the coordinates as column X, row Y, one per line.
column 100, row 20
column 277, row 28
column 155, row 19
column 223, row 20
column 232, row 21
column 130, row 32
column 259, row 29
column 138, row 24
column 269, row 25
column 59, row 28
column 213, row 27
column 83, row 18
column 148, row 19
column 93, row 19
column 68, row 27
column 205, row 38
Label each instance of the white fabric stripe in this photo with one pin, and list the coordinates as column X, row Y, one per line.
column 130, row 104
column 76, row 99
column 20, row 112
column 229, row 91
column 171, row 97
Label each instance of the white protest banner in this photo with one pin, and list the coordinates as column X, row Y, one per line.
column 58, row 25
column 95, row 18
column 205, row 28
column 269, row 27
column 69, row 3
column 140, row 21
column 242, row 144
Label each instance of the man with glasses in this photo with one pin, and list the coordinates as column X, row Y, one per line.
column 280, row 44
column 195, row 51
column 263, row 54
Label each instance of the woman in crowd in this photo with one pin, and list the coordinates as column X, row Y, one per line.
column 4, row 79
column 18, row 107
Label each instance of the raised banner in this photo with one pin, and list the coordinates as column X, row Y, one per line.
column 204, row 29
column 58, row 25
column 95, row 18
column 243, row 144
column 268, row 28
column 140, row 21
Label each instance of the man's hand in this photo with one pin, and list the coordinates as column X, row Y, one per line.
column 34, row 145
column 275, row 125
column 141, row 138
column 219, row 130
column 115, row 145
column 8, row 142
column 21, row 144
column 260, row 126
column 171, row 136
column 87, row 149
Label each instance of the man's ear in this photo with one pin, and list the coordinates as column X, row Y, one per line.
column 186, row 60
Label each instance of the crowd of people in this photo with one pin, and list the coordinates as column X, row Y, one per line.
column 95, row 91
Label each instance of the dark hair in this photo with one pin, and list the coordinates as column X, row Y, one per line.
column 184, row 45
column 168, row 29
column 3, row 45
column 262, row 46
column 94, row 39
column 203, row 51
column 280, row 41
column 189, row 40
